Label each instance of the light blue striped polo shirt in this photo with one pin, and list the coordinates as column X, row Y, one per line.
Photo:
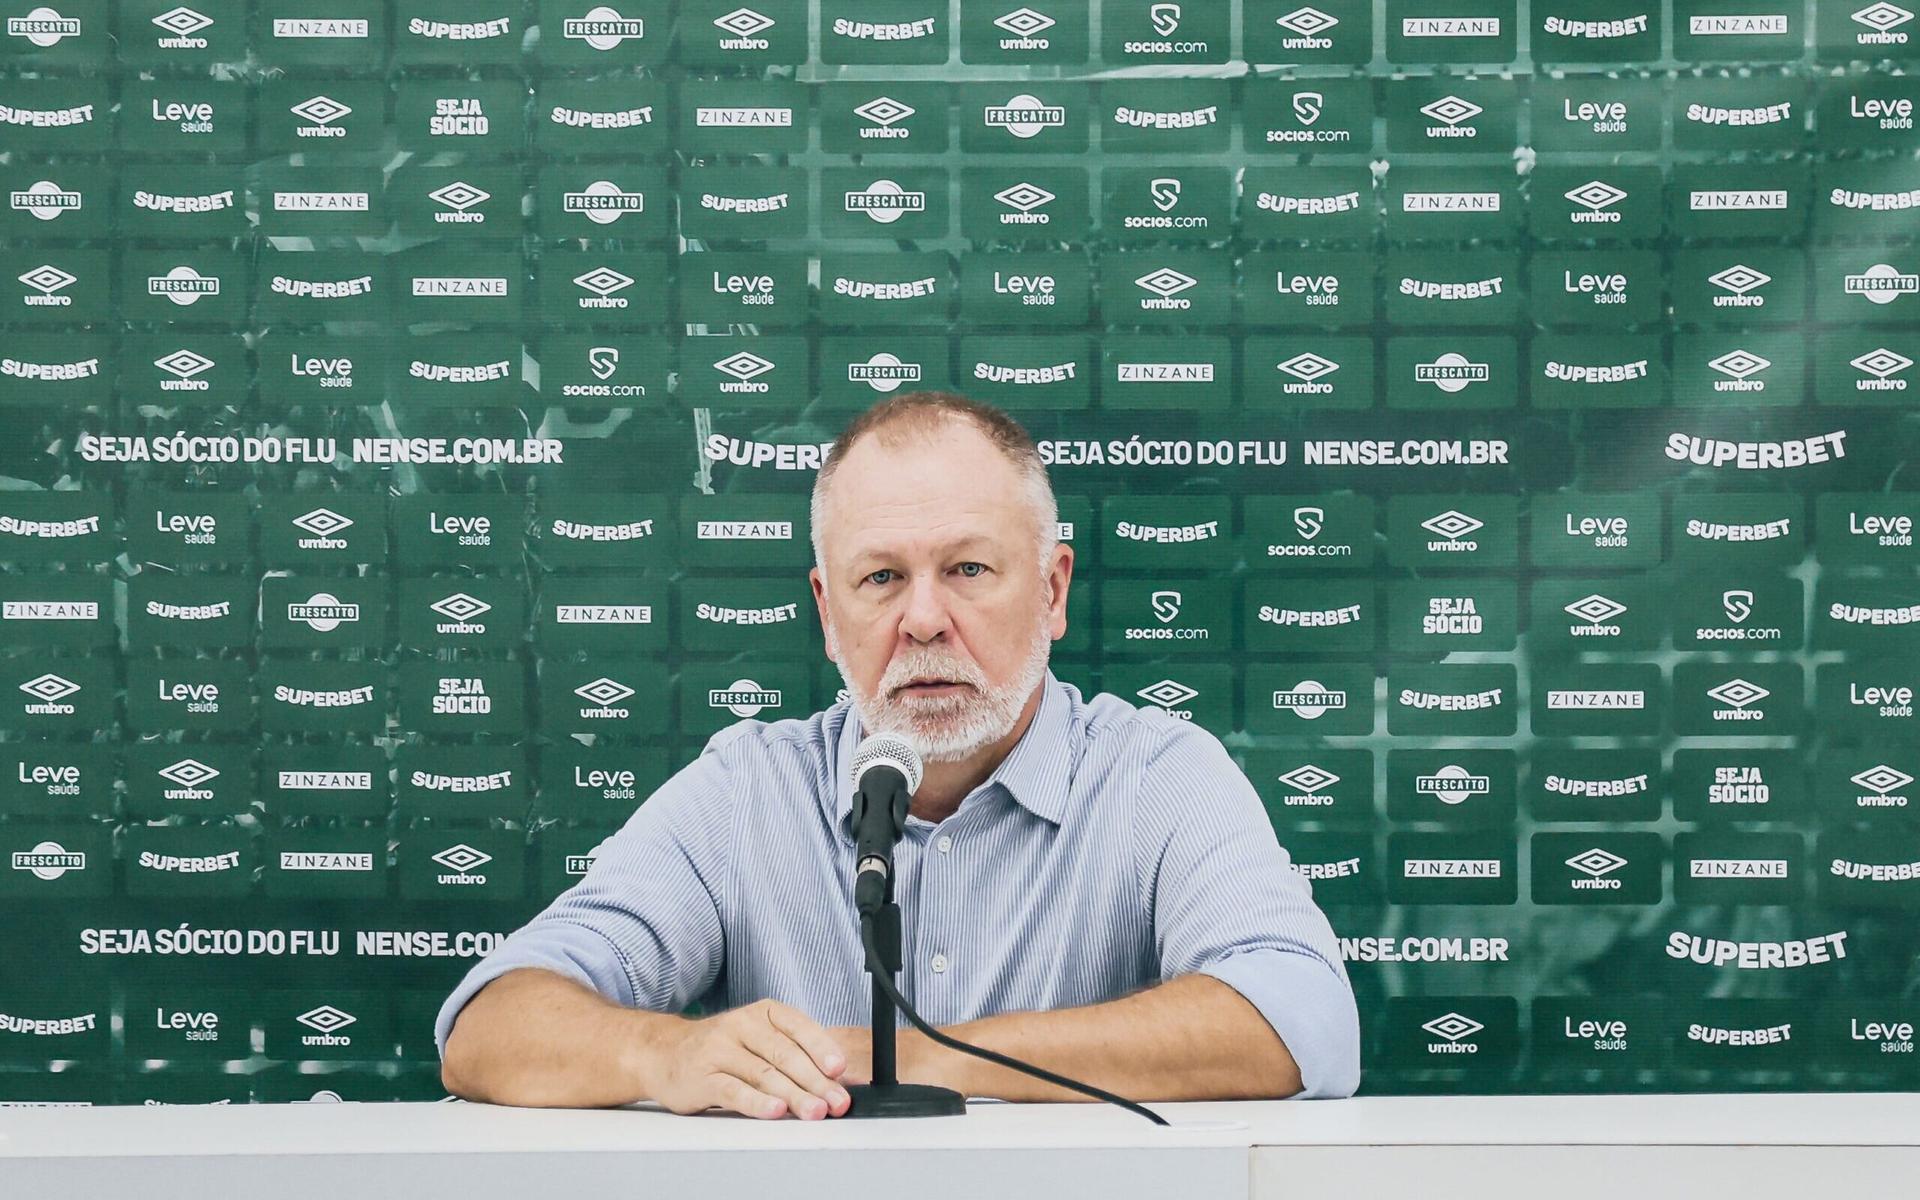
column 1113, row 848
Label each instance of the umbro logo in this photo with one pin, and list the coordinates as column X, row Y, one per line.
column 184, row 364
column 1881, row 18
column 1881, row 780
column 188, row 773
column 462, row 858
column 744, row 365
column 1596, row 862
column 1024, row 23
column 1452, row 524
column 883, row 111
column 744, row 25
column 326, row 1019
column 323, row 524
column 1308, row 24
column 1738, row 364
column 1451, row 110
column 1308, row 778
column 1739, row 279
column 181, row 25
column 48, row 280
column 603, row 282
column 1597, row 198
column 1168, row 695
column 1166, row 282
column 1453, row 1027
column 459, row 196
column 1309, row 366
column 603, row 691
column 1024, row 197
column 1738, row 693
column 1881, row 363
column 182, row 22
column 49, row 687
column 321, row 110
column 460, row 607
column 1595, row 609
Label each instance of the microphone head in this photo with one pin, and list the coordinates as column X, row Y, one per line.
column 887, row 749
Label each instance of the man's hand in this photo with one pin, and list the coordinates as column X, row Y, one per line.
column 765, row 1059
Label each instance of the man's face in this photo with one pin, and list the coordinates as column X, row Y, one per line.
column 934, row 602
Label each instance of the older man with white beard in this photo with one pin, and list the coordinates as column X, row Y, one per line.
column 1087, row 886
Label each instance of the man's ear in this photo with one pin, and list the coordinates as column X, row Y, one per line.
column 820, row 604
column 1059, row 578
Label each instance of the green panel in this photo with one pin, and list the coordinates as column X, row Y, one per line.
column 1313, row 616
column 478, row 118
column 464, row 697
column 1010, row 34
column 1731, row 784
column 1317, row 785
column 1461, row 789
column 1595, row 31
column 1594, row 785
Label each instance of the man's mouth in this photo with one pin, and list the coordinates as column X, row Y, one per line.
column 931, row 687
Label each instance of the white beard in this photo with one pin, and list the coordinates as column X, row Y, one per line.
column 949, row 729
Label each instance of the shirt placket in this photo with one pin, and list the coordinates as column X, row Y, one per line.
column 909, row 857
column 929, row 954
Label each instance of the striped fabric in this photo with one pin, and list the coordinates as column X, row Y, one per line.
column 1115, row 847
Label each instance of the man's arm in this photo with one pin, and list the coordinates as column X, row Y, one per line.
column 1191, row 1038
column 539, row 1040
column 579, row 1008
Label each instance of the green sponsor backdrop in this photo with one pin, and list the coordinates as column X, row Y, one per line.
column 1488, row 418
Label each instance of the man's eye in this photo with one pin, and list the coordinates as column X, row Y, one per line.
column 878, row 576
column 973, row 570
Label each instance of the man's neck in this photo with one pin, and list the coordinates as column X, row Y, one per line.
column 944, row 785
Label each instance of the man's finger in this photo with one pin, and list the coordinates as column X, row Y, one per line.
column 815, row 1040
column 762, row 1076
column 736, row 1095
column 793, row 1061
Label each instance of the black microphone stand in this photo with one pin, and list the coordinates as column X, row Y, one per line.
column 886, row 1096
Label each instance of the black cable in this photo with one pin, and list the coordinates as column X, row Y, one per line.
column 886, row 984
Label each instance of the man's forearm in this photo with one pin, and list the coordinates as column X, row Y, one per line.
column 539, row 1040
column 1190, row 1038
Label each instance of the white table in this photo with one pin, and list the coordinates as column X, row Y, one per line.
column 1616, row 1147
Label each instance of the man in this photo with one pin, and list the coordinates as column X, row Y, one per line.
column 1086, row 886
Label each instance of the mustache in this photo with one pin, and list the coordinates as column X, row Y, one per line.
column 904, row 669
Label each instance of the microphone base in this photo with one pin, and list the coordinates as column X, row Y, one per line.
column 875, row 1100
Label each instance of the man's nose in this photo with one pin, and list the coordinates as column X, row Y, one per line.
column 926, row 617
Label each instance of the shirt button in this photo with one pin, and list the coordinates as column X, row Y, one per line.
column 939, row 964
column 945, row 843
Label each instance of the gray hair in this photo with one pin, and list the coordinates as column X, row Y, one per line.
column 924, row 415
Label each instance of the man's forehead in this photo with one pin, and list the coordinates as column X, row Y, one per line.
column 947, row 538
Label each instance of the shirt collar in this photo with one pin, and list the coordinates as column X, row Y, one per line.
column 1034, row 772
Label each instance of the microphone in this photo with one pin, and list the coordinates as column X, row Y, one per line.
column 886, row 773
